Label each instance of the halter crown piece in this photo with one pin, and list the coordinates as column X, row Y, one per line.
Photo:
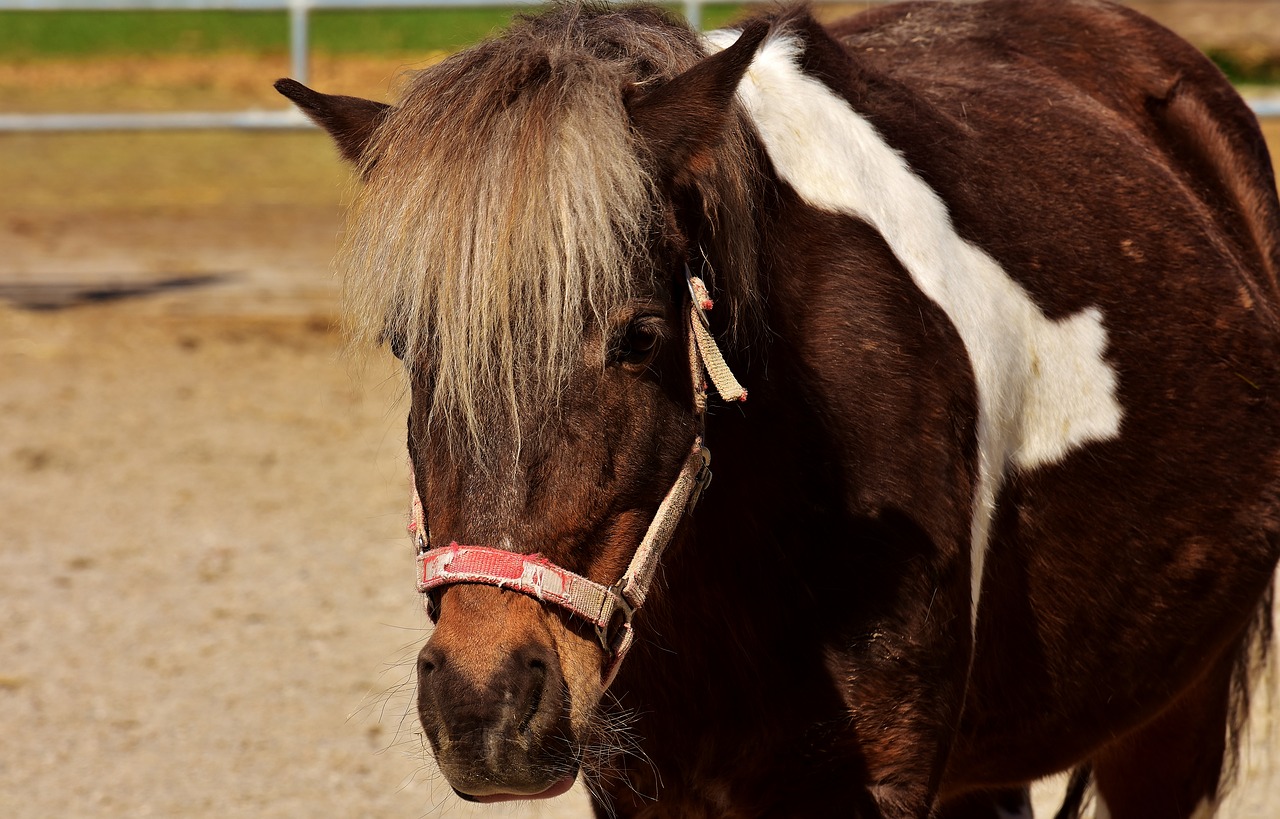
column 609, row 608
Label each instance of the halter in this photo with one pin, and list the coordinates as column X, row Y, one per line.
column 609, row 608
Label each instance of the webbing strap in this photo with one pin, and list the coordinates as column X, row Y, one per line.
column 680, row 500
column 532, row 574
column 708, row 351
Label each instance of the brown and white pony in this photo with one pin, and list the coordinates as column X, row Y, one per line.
column 1001, row 278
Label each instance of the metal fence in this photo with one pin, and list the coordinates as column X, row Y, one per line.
column 299, row 58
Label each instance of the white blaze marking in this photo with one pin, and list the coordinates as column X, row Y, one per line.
column 1043, row 386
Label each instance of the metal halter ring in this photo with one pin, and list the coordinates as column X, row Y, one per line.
column 620, row 604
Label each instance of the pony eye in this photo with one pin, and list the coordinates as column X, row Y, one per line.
column 396, row 343
column 636, row 347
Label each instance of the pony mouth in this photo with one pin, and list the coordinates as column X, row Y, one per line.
column 557, row 789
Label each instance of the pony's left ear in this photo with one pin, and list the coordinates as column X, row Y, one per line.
column 351, row 121
column 682, row 119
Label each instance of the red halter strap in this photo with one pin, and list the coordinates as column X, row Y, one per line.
column 609, row 608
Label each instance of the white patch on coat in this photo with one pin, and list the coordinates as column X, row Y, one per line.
column 1043, row 386
column 1101, row 811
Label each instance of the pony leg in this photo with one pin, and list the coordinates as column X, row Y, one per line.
column 1010, row 803
column 1171, row 767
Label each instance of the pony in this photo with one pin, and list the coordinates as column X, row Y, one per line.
column 1002, row 501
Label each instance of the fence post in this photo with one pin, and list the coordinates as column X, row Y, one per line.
column 693, row 14
column 299, row 48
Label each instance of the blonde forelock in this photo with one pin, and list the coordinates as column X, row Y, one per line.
column 506, row 211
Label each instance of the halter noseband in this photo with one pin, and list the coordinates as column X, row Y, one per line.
column 609, row 608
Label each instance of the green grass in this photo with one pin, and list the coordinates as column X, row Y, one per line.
column 1240, row 69
column 92, row 33
column 31, row 35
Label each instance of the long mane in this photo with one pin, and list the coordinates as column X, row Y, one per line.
column 507, row 209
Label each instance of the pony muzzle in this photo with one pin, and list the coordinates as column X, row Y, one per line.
column 495, row 707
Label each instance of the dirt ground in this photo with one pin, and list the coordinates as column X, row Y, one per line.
column 206, row 594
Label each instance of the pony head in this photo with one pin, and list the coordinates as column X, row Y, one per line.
column 528, row 214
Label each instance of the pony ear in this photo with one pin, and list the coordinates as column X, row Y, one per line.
column 351, row 121
column 682, row 119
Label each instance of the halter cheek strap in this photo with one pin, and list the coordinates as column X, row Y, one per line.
column 609, row 608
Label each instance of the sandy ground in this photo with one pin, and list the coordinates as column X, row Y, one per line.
column 206, row 599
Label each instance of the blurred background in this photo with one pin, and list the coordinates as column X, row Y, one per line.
column 206, row 595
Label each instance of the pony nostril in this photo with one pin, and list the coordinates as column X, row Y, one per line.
column 533, row 688
column 429, row 660
column 535, row 658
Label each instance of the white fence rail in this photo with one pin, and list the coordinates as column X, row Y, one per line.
column 299, row 60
